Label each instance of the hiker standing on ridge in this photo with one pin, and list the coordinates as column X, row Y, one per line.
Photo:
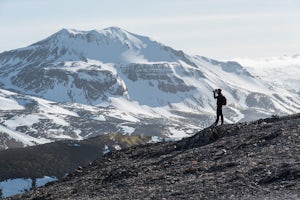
column 221, row 101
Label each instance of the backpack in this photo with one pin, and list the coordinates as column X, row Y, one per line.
column 224, row 101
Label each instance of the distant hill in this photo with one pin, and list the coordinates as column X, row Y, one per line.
column 57, row 159
column 251, row 160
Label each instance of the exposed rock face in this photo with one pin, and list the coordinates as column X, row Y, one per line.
column 257, row 160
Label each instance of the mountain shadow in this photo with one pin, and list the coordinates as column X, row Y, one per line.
column 59, row 158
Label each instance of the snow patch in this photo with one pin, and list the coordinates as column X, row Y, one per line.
column 23, row 138
column 105, row 150
column 22, row 120
column 127, row 129
column 177, row 133
column 117, row 147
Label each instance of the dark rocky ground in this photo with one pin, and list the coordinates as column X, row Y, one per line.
column 256, row 160
column 59, row 158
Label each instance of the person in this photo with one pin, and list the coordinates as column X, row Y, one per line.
column 218, row 95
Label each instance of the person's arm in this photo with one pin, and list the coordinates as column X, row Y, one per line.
column 215, row 95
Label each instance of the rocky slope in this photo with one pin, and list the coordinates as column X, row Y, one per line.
column 254, row 160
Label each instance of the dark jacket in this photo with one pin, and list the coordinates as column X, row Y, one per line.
column 219, row 98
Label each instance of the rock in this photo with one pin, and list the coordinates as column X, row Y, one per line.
column 245, row 161
column 221, row 152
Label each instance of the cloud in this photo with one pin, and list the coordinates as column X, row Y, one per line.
column 271, row 62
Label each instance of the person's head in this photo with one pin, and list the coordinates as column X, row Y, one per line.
column 219, row 91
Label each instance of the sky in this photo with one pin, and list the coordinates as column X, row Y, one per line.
column 219, row 29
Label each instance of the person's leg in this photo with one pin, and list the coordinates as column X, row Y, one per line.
column 218, row 116
column 222, row 118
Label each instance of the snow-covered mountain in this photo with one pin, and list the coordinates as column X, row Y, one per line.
column 78, row 84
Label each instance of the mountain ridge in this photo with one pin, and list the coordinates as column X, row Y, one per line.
column 111, row 44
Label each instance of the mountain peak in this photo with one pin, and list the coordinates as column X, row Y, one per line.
column 109, row 45
column 68, row 31
column 114, row 29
